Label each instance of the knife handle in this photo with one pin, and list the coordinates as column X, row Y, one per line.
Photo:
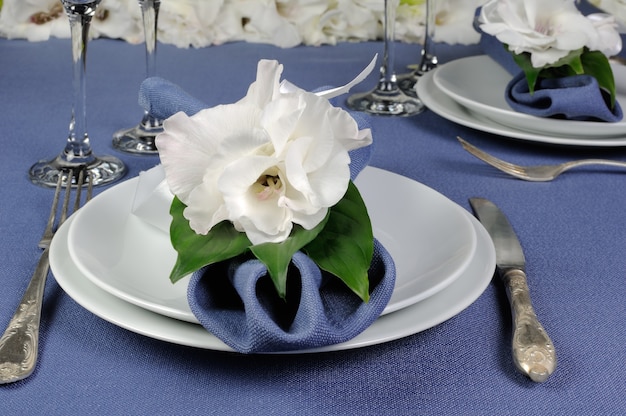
column 533, row 351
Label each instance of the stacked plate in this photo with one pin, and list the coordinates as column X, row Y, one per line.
column 470, row 91
column 117, row 265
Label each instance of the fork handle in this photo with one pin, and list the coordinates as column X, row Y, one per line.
column 533, row 351
column 19, row 343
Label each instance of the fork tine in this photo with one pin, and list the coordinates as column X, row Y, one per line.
column 80, row 181
column 66, row 197
column 492, row 160
column 49, row 230
column 89, row 186
column 79, row 188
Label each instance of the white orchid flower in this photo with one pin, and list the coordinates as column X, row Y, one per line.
column 276, row 158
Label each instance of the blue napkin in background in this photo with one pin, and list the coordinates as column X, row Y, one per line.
column 236, row 301
column 577, row 97
column 571, row 98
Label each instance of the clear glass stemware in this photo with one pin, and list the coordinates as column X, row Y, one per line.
column 428, row 60
column 140, row 138
column 387, row 98
column 78, row 152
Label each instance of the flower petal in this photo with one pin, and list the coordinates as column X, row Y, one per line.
column 205, row 207
column 183, row 150
column 266, row 85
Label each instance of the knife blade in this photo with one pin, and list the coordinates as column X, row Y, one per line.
column 533, row 351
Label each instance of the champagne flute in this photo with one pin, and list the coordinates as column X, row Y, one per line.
column 77, row 152
column 387, row 98
column 140, row 138
column 429, row 60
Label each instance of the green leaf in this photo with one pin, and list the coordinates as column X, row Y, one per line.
column 195, row 251
column 532, row 74
column 345, row 247
column 596, row 64
column 568, row 65
column 277, row 256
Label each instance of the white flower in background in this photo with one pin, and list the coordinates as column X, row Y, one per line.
column 269, row 161
column 185, row 23
column 547, row 29
column 454, row 21
column 285, row 23
column 352, row 21
column 118, row 19
column 261, row 22
column 322, row 22
column 410, row 20
column 310, row 16
column 34, row 20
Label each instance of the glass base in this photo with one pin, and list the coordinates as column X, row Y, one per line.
column 103, row 170
column 407, row 83
column 386, row 102
column 138, row 139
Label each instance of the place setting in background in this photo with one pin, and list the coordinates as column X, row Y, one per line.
column 472, row 91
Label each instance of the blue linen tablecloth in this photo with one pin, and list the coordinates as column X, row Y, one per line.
column 572, row 231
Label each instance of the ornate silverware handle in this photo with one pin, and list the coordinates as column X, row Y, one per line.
column 19, row 343
column 533, row 351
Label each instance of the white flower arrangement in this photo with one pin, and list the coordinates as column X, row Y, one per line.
column 276, row 158
column 269, row 175
column 553, row 39
column 284, row 23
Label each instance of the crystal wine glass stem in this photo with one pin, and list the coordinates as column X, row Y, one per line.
column 387, row 74
column 80, row 15
column 429, row 59
column 150, row 17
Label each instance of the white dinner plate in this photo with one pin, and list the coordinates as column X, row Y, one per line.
column 443, row 105
column 429, row 237
column 479, row 83
column 418, row 317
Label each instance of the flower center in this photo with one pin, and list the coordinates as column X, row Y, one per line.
column 41, row 18
column 102, row 14
column 268, row 184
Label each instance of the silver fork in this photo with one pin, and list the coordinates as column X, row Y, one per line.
column 537, row 173
column 19, row 343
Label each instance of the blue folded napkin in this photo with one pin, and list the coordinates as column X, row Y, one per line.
column 577, row 97
column 236, row 299
column 572, row 98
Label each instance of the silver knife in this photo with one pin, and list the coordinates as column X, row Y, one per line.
column 533, row 351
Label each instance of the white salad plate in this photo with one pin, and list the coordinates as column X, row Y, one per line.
column 428, row 236
column 442, row 104
column 479, row 83
column 419, row 316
